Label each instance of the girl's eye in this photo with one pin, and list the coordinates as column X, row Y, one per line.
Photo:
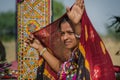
column 62, row 33
column 70, row 32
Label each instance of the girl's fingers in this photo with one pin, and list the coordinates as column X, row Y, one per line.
column 83, row 7
column 27, row 41
column 31, row 45
column 31, row 37
column 80, row 3
column 68, row 10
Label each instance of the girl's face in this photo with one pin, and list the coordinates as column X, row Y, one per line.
column 67, row 36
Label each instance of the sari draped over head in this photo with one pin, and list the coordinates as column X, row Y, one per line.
column 97, row 59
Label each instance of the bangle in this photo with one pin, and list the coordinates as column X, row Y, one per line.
column 41, row 52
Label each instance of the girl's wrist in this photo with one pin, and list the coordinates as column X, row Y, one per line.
column 42, row 51
column 77, row 29
column 40, row 48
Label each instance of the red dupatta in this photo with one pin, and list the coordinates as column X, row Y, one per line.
column 97, row 59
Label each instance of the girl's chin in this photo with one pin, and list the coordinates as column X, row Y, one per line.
column 68, row 47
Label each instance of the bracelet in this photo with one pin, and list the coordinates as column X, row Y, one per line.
column 41, row 52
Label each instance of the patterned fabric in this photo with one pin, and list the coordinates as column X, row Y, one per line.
column 68, row 69
column 32, row 15
column 74, row 68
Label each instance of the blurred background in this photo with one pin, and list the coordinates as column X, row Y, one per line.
column 8, row 62
column 8, row 28
column 104, row 14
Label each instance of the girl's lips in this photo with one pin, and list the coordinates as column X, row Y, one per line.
column 67, row 43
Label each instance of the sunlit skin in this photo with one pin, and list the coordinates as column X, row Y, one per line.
column 67, row 36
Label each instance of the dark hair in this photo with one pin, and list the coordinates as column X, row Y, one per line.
column 65, row 19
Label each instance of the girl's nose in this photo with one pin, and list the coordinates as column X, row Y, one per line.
column 65, row 36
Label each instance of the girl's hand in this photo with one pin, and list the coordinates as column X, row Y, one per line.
column 75, row 14
column 33, row 42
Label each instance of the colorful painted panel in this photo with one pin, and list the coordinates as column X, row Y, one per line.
column 32, row 15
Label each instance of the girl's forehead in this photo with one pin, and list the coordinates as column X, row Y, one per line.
column 65, row 26
column 66, row 29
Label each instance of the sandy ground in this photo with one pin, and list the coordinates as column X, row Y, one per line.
column 111, row 46
column 10, row 48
